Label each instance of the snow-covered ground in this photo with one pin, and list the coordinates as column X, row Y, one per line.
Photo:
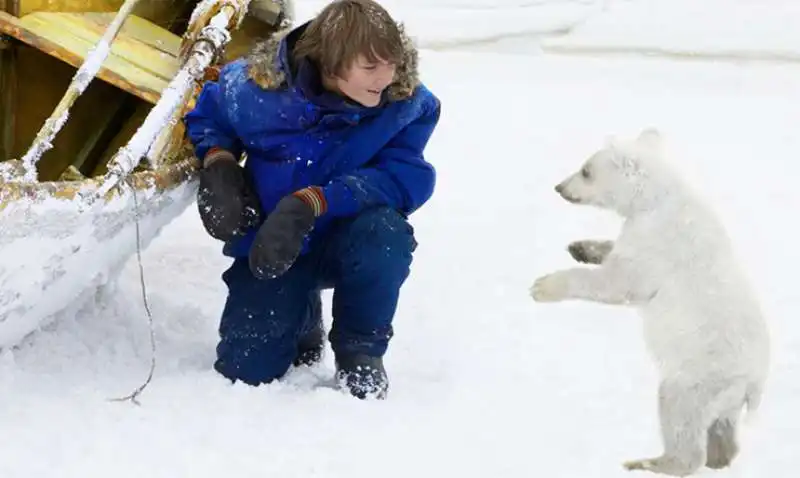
column 484, row 381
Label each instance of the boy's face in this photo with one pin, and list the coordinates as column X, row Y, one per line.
column 364, row 81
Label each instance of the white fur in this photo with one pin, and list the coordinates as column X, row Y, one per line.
column 674, row 263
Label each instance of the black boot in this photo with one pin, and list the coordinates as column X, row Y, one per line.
column 363, row 376
column 310, row 347
column 312, row 344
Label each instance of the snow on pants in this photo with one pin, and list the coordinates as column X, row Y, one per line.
column 365, row 259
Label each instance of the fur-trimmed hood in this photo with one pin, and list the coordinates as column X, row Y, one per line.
column 268, row 63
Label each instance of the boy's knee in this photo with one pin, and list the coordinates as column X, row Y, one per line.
column 379, row 238
column 252, row 348
column 259, row 327
column 251, row 360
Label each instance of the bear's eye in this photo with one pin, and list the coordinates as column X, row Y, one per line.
column 586, row 173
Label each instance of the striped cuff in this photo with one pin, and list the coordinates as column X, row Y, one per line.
column 315, row 199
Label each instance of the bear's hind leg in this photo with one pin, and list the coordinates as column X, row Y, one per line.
column 723, row 445
column 683, row 409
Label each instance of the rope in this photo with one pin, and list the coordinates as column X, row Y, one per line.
column 133, row 396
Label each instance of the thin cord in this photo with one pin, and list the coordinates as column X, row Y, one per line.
column 132, row 396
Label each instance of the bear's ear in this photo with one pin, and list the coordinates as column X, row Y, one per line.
column 650, row 138
column 613, row 143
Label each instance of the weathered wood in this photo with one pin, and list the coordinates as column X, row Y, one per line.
column 8, row 85
column 267, row 11
column 12, row 7
column 43, row 80
column 201, row 16
column 125, row 128
column 210, row 40
column 98, row 138
column 142, row 60
column 261, row 21
column 160, row 12
column 80, row 81
column 175, row 173
column 166, row 139
column 8, row 93
column 30, row 6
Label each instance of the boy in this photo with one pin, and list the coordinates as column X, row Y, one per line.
column 334, row 122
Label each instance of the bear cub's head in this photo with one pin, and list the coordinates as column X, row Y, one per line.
column 616, row 177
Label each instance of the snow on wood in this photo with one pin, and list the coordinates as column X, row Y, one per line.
column 80, row 81
column 53, row 256
column 214, row 36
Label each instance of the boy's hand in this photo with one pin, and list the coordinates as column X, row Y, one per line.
column 225, row 200
column 280, row 239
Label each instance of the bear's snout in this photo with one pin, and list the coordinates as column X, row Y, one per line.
column 561, row 189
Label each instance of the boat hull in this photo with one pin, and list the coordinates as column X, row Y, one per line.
column 54, row 252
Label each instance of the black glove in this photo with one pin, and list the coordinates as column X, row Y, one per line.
column 280, row 239
column 226, row 201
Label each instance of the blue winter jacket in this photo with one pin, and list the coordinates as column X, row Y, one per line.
column 296, row 134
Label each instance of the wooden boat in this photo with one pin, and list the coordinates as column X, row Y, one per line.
column 90, row 176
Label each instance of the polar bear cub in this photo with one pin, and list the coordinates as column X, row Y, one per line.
column 674, row 263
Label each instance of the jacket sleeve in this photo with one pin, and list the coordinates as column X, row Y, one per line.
column 398, row 177
column 208, row 125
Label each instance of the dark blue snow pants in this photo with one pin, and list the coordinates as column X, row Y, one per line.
column 365, row 259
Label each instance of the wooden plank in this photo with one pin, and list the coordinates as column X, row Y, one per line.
column 265, row 10
column 66, row 28
column 177, row 172
column 29, row 6
column 141, row 30
column 160, row 12
column 95, row 137
column 43, row 80
column 8, row 86
column 8, row 94
column 132, row 64
column 134, row 29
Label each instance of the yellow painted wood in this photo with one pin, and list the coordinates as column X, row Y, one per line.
column 142, row 59
column 43, row 80
column 29, row 6
column 160, row 12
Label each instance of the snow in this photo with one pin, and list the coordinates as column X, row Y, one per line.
column 54, row 248
column 485, row 382
column 439, row 24
column 747, row 28
column 51, row 126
